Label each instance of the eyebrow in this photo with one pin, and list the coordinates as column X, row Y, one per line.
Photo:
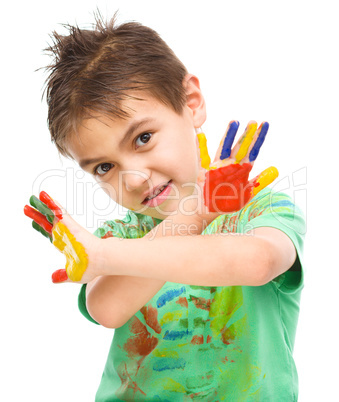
column 137, row 125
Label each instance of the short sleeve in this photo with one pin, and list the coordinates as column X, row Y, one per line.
column 82, row 304
column 277, row 210
column 133, row 226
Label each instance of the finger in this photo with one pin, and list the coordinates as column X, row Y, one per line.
column 205, row 158
column 241, row 148
column 41, row 207
column 225, row 146
column 45, row 198
column 59, row 276
column 265, row 178
column 77, row 259
column 259, row 141
column 39, row 218
column 41, row 230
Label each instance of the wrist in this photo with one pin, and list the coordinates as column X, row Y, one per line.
column 103, row 247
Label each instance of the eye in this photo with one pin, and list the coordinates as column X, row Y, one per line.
column 103, row 169
column 143, row 139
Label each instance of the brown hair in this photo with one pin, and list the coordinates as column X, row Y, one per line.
column 95, row 70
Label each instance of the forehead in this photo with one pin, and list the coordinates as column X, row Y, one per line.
column 95, row 133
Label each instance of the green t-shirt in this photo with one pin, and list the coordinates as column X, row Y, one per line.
column 231, row 343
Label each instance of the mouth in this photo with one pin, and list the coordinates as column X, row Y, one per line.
column 159, row 195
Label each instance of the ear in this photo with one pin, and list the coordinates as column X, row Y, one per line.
column 195, row 100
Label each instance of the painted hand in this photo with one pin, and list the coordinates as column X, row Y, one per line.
column 225, row 183
column 78, row 245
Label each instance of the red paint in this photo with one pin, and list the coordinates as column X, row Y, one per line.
column 142, row 344
column 151, row 317
column 107, row 235
column 127, row 382
column 46, row 199
column 182, row 301
column 197, row 340
column 227, row 336
column 200, row 302
column 39, row 218
column 209, row 339
column 227, row 189
column 59, row 276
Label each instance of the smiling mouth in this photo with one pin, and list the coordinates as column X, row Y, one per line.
column 157, row 192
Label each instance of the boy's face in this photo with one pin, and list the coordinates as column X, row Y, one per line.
column 134, row 158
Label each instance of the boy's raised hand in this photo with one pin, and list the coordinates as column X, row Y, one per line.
column 225, row 183
column 77, row 244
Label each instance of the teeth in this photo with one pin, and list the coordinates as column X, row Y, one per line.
column 157, row 192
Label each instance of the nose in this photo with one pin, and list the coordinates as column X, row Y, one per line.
column 134, row 179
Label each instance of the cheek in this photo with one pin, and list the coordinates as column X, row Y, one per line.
column 110, row 188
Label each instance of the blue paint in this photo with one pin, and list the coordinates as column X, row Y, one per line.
column 169, row 295
column 282, row 203
column 174, row 335
column 168, row 363
column 260, row 140
column 226, row 148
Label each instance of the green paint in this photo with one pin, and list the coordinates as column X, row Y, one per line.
column 42, row 231
column 41, row 207
column 199, row 322
column 183, row 322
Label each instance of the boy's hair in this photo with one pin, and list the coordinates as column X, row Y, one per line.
column 94, row 71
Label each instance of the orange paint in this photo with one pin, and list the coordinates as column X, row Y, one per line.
column 200, row 302
column 142, row 343
column 197, row 340
column 151, row 317
column 182, row 301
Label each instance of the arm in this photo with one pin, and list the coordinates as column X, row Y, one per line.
column 85, row 261
column 211, row 260
column 122, row 296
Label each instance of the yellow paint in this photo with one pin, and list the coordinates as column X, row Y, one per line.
column 165, row 353
column 76, row 257
column 171, row 316
column 265, row 178
column 246, row 142
column 172, row 385
column 205, row 159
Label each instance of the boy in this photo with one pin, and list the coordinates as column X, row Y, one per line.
column 202, row 313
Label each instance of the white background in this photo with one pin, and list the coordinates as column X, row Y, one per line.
column 262, row 60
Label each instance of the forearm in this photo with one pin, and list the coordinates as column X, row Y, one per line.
column 211, row 260
column 112, row 300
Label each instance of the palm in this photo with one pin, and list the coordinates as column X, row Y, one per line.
column 225, row 181
column 78, row 245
